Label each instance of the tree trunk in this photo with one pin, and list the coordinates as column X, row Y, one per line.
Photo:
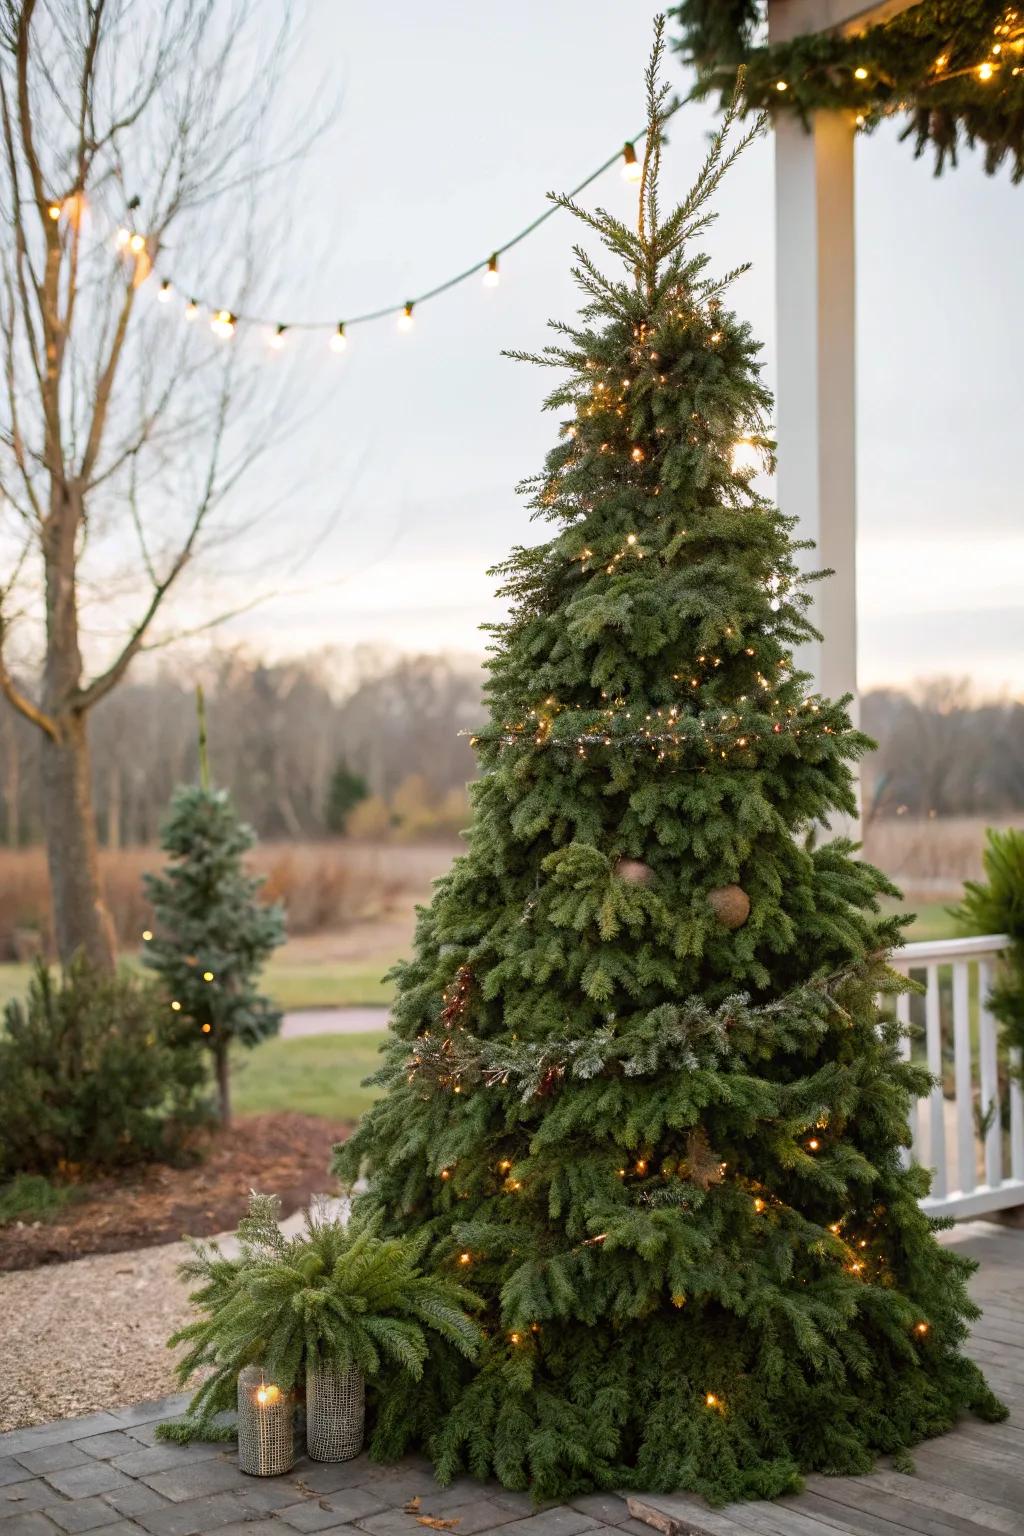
column 80, row 919
column 223, row 1082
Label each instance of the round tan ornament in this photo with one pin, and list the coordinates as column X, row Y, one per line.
column 730, row 904
column 633, row 871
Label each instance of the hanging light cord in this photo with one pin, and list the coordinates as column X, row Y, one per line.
column 405, row 308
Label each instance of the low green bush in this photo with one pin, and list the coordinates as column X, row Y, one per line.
column 31, row 1197
column 90, row 1077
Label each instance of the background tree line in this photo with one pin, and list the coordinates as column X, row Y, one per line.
column 282, row 732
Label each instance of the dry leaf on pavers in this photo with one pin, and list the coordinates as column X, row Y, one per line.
column 435, row 1523
column 413, row 1505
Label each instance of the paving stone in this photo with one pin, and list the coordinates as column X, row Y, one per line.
column 515, row 1499
column 124, row 1528
column 249, row 1527
column 267, row 1495
column 329, row 1476
column 80, row 1482
column 635, row 1527
column 392, row 1522
column 309, row 1515
column 11, row 1471
column 52, row 1458
column 134, row 1499
column 395, row 1486
column 144, row 1460
column 31, row 1524
column 606, row 1507
column 76, row 1515
column 347, row 1505
column 194, row 1515
column 105, row 1447
column 20, row 1498
column 559, row 1521
column 13, row 1441
column 480, row 1515
column 190, row 1482
column 149, row 1413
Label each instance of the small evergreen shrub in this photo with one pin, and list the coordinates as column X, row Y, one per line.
column 90, row 1077
column 996, row 905
column 31, row 1197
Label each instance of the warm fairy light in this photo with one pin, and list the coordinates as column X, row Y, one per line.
column 207, row 975
column 515, row 1338
column 465, row 1258
column 136, row 243
column 921, row 1329
column 641, row 1165
column 492, row 276
column 276, row 339
column 176, row 1006
column 191, row 309
column 339, row 341
column 631, row 167
column 637, row 455
column 781, row 85
column 146, row 935
column 630, row 538
column 446, row 1173
column 860, row 73
column 207, row 1028
column 267, row 1395
column 405, row 319
column 122, row 237
column 504, row 1165
column 712, row 1400
column 759, row 1205
column 834, row 1228
column 861, row 119
column 223, row 324
column 986, row 71
column 54, row 211
column 744, row 456
column 813, row 1144
column 166, row 292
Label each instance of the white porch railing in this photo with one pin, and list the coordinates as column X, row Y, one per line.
column 976, row 1166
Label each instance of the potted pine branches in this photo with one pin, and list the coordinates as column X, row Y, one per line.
column 327, row 1309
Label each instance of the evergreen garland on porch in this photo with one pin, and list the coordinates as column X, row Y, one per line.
column 953, row 68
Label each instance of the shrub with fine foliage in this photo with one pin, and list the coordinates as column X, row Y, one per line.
column 89, row 1076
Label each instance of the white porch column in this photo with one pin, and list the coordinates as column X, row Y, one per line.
column 816, row 411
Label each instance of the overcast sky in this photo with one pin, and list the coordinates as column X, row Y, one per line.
column 455, row 119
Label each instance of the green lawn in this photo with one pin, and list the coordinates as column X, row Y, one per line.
column 314, row 1075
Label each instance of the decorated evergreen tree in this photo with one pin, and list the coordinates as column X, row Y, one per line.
column 212, row 936
column 639, row 1090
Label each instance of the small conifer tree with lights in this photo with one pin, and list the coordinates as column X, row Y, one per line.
column 211, row 935
column 639, row 1090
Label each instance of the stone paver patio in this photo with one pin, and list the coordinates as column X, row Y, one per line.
column 108, row 1473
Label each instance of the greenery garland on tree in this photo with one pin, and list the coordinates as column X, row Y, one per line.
column 638, row 1091
column 954, row 68
column 212, row 936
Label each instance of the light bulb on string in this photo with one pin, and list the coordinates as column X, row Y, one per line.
column 986, row 71
column 223, row 324
column 631, row 167
column 122, row 238
column 276, row 339
column 405, row 319
column 136, row 244
column 492, row 276
column 166, row 292
column 339, row 341
column 54, row 211
column 191, row 309
column 860, row 73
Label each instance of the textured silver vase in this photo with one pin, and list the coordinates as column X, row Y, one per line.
column 335, row 1409
column 266, row 1425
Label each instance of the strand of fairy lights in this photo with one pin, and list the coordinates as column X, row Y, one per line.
column 224, row 323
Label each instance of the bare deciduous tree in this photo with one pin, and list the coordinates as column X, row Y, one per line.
column 128, row 132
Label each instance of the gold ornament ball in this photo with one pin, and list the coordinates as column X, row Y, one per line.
column 730, row 904
column 633, row 871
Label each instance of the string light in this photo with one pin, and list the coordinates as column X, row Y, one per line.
column 745, row 456
column 631, row 167
column 405, row 319
column 986, row 71
column 54, row 211
column 921, row 1329
column 276, row 339
column 781, row 85
column 207, row 975
column 191, row 309
column 491, row 275
column 146, row 935
column 266, row 1395
column 136, row 243
column 339, row 341
column 465, row 1258
column 166, row 292
column 860, row 73
column 176, row 1006
column 223, row 324
column 122, row 237
column 712, row 1400
column 207, row 1028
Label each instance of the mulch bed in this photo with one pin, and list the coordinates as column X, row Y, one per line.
column 283, row 1154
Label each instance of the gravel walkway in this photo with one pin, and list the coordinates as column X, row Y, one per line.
column 88, row 1335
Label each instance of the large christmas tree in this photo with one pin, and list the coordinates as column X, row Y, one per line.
column 639, row 1092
